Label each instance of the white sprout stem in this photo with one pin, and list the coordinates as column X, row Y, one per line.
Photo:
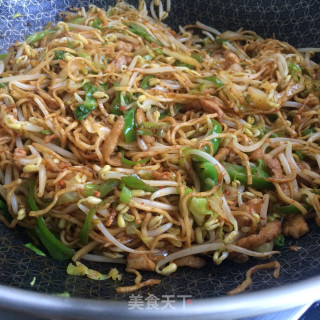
column 264, row 209
column 164, row 192
column 196, row 249
column 98, row 258
column 154, row 204
column 160, row 230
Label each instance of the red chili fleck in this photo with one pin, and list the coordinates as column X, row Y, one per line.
column 261, row 218
column 227, row 192
column 161, row 187
column 142, row 203
column 96, row 194
column 61, row 183
column 122, row 108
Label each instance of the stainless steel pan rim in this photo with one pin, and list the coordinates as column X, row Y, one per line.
column 233, row 307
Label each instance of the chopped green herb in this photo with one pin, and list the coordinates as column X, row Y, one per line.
column 279, row 241
column 2, row 85
column 59, row 54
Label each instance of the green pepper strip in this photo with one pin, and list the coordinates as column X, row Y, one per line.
column 87, row 226
column 216, row 128
column 207, row 174
column 134, row 182
column 38, row 36
column 104, row 190
column 259, row 176
column 290, row 208
column 133, row 163
column 54, row 246
column 129, row 126
column 125, row 195
column 140, row 31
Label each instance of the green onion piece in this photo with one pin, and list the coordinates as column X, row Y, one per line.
column 128, row 130
column 133, row 163
column 197, row 57
column 215, row 80
column 166, row 113
column 2, row 85
column 3, row 56
column 140, row 31
column 308, row 131
column 142, row 132
column 158, row 51
column 279, row 241
column 38, row 36
column 134, row 182
column 35, row 249
column 299, row 154
column 294, row 68
column 46, row 131
column 103, row 189
column 220, row 40
column 145, row 82
column 59, row 54
column 125, row 195
column 179, row 63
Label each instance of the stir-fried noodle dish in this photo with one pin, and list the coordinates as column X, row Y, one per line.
column 124, row 141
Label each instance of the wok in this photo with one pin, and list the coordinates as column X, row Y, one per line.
column 299, row 282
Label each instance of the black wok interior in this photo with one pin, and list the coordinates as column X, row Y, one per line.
column 294, row 21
